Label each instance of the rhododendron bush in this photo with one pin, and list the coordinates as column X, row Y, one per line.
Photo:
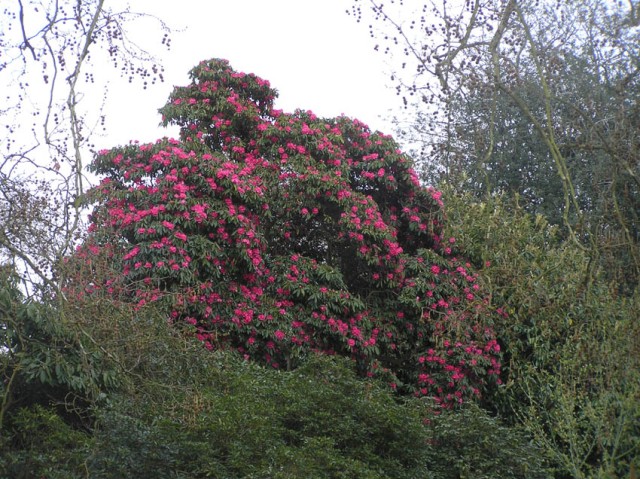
column 283, row 234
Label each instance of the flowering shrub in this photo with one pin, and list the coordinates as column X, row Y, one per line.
column 281, row 234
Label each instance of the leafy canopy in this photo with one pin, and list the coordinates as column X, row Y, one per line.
column 281, row 234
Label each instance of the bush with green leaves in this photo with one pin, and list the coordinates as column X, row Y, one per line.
column 43, row 354
column 226, row 417
column 572, row 359
column 283, row 234
column 471, row 443
column 178, row 410
column 48, row 381
column 237, row 419
column 38, row 443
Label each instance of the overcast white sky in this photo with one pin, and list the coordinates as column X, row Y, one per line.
column 311, row 51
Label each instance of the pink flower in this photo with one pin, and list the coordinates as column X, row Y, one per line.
column 200, row 211
column 132, row 253
column 181, row 236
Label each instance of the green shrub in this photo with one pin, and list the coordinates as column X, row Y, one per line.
column 243, row 420
column 572, row 360
column 471, row 444
column 37, row 443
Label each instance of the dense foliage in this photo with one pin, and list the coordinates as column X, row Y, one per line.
column 572, row 357
column 180, row 411
column 281, row 234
